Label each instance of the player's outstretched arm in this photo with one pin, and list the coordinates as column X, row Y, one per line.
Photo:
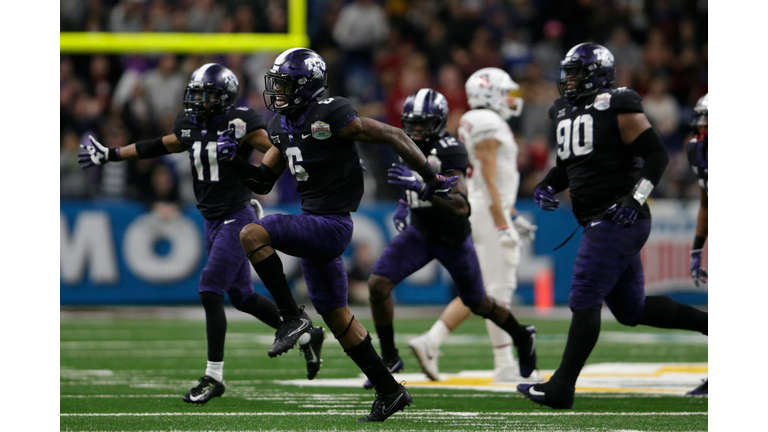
column 363, row 129
column 260, row 179
column 97, row 154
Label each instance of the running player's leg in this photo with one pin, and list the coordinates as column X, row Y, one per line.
column 404, row 255
column 462, row 263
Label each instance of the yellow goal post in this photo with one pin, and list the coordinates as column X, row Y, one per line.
column 191, row 43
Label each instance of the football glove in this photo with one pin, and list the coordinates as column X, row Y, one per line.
column 545, row 198
column 399, row 175
column 625, row 211
column 525, row 228
column 227, row 145
column 400, row 216
column 698, row 274
column 508, row 237
column 96, row 154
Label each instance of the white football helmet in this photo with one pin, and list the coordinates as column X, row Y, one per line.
column 494, row 89
column 700, row 117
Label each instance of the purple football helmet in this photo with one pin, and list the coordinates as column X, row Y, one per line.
column 425, row 115
column 212, row 90
column 586, row 68
column 297, row 77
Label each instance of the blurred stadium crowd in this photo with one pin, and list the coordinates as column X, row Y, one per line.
column 378, row 52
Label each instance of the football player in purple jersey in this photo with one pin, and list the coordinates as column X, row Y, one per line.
column 698, row 158
column 212, row 130
column 314, row 137
column 610, row 158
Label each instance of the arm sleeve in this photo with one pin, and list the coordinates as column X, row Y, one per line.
column 557, row 177
column 650, row 147
column 260, row 179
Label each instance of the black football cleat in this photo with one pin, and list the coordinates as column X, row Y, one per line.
column 288, row 332
column 207, row 388
column 526, row 353
column 701, row 390
column 312, row 350
column 548, row 394
column 394, row 365
column 386, row 405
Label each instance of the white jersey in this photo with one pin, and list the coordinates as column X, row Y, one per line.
column 477, row 125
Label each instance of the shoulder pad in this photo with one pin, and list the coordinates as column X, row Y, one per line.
column 622, row 100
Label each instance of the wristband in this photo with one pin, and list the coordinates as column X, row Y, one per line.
column 113, row 155
column 427, row 171
column 698, row 242
column 642, row 190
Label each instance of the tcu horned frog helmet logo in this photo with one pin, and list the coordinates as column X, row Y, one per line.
column 316, row 65
column 604, row 57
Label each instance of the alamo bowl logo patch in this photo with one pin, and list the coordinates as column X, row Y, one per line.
column 239, row 127
column 321, row 130
column 602, row 102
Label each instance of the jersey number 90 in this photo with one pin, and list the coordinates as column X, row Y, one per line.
column 569, row 137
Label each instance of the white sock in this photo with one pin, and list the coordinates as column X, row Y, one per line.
column 304, row 339
column 499, row 337
column 438, row 332
column 503, row 358
column 215, row 370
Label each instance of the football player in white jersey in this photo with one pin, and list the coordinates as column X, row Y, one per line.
column 497, row 230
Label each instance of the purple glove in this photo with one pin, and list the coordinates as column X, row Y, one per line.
column 227, row 145
column 698, row 274
column 97, row 154
column 401, row 176
column 545, row 198
column 399, row 218
column 626, row 210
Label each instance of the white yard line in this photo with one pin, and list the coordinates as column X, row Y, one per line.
column 409, row 413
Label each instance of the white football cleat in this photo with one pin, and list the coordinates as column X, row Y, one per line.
column 511, row 374
column 426, row 354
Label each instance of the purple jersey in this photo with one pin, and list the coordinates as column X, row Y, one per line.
column 326, row 166
column 601, row 167
column 698, row 157
column 218, row 190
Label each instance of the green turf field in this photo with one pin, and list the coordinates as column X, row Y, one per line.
column 129, row 373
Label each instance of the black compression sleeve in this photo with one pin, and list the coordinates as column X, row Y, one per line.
column 557, row 177
column 698, row 242
column 650, row 147
column 151, row 148
column 259, row 179
column 426, row 171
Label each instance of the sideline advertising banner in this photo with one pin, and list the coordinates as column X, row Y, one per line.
column 116, row 252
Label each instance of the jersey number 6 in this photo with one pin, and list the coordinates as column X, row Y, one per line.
column 570, row 132
column 294, row 164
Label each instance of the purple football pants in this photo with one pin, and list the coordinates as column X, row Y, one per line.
column 608, row 268
column 319, row 240
column 409, row 251
column 228, row 270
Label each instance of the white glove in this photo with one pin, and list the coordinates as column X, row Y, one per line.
column 257, row 208
column 525, row 228
column 508, row 237
column 95, row 154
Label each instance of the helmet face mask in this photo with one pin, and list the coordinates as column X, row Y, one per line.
column 212, row 90
column 586, row 69
column 423, row 129
column 297, row 77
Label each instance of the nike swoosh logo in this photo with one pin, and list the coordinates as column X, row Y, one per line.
column 305, row 136
column 411, row 178
column 535, row 392
column 314, row 357
column 594, row 223
column 533, row 343
column 588, row 106
column 228, row 221
column 304, row 325
column 385, row 410
column 221, row 132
